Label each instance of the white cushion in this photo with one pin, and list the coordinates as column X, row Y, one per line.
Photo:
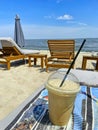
column 9, row 42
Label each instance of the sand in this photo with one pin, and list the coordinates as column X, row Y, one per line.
column 21, row 81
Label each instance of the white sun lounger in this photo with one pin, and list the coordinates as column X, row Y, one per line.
column 11, row 51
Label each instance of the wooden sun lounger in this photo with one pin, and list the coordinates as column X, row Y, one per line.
column 61, row 53
column 10, row 51
column 10, row 54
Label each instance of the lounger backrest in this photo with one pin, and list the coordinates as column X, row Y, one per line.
column 62, row 48
column 9, row 47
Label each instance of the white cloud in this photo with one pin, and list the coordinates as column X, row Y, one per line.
column 58, row 1
column 77, row 23
column 49, row 16
column 84, row 24
column 35, row 31
column 49, row 32
column 65, row 17
column 7, row 30
column 69, row 19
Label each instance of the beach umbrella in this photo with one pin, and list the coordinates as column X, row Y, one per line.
column 18, row 33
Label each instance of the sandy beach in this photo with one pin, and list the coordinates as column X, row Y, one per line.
column 21, row 81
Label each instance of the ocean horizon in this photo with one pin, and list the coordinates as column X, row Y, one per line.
column 91, row 44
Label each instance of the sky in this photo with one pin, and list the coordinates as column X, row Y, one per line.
column 50, row 19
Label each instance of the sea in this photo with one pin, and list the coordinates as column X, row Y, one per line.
column 91, row 44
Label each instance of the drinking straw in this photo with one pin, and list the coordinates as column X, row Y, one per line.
column 72, row 62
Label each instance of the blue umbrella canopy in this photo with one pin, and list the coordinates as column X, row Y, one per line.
column 18, row 33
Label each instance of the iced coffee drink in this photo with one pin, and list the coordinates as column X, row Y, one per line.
column 61, row 99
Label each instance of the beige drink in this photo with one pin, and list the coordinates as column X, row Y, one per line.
column 61, row 99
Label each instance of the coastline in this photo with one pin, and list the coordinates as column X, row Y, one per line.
column 21, row 81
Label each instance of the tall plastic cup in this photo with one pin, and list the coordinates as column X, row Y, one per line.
column 61, row 99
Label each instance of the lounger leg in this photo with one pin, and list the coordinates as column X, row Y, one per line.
column 29, row 60
column 46, row 69
column 84, row 63
column 8, row 65
column 97, row 65
column 42, row 62
column 35, row 59
column 46, row 61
